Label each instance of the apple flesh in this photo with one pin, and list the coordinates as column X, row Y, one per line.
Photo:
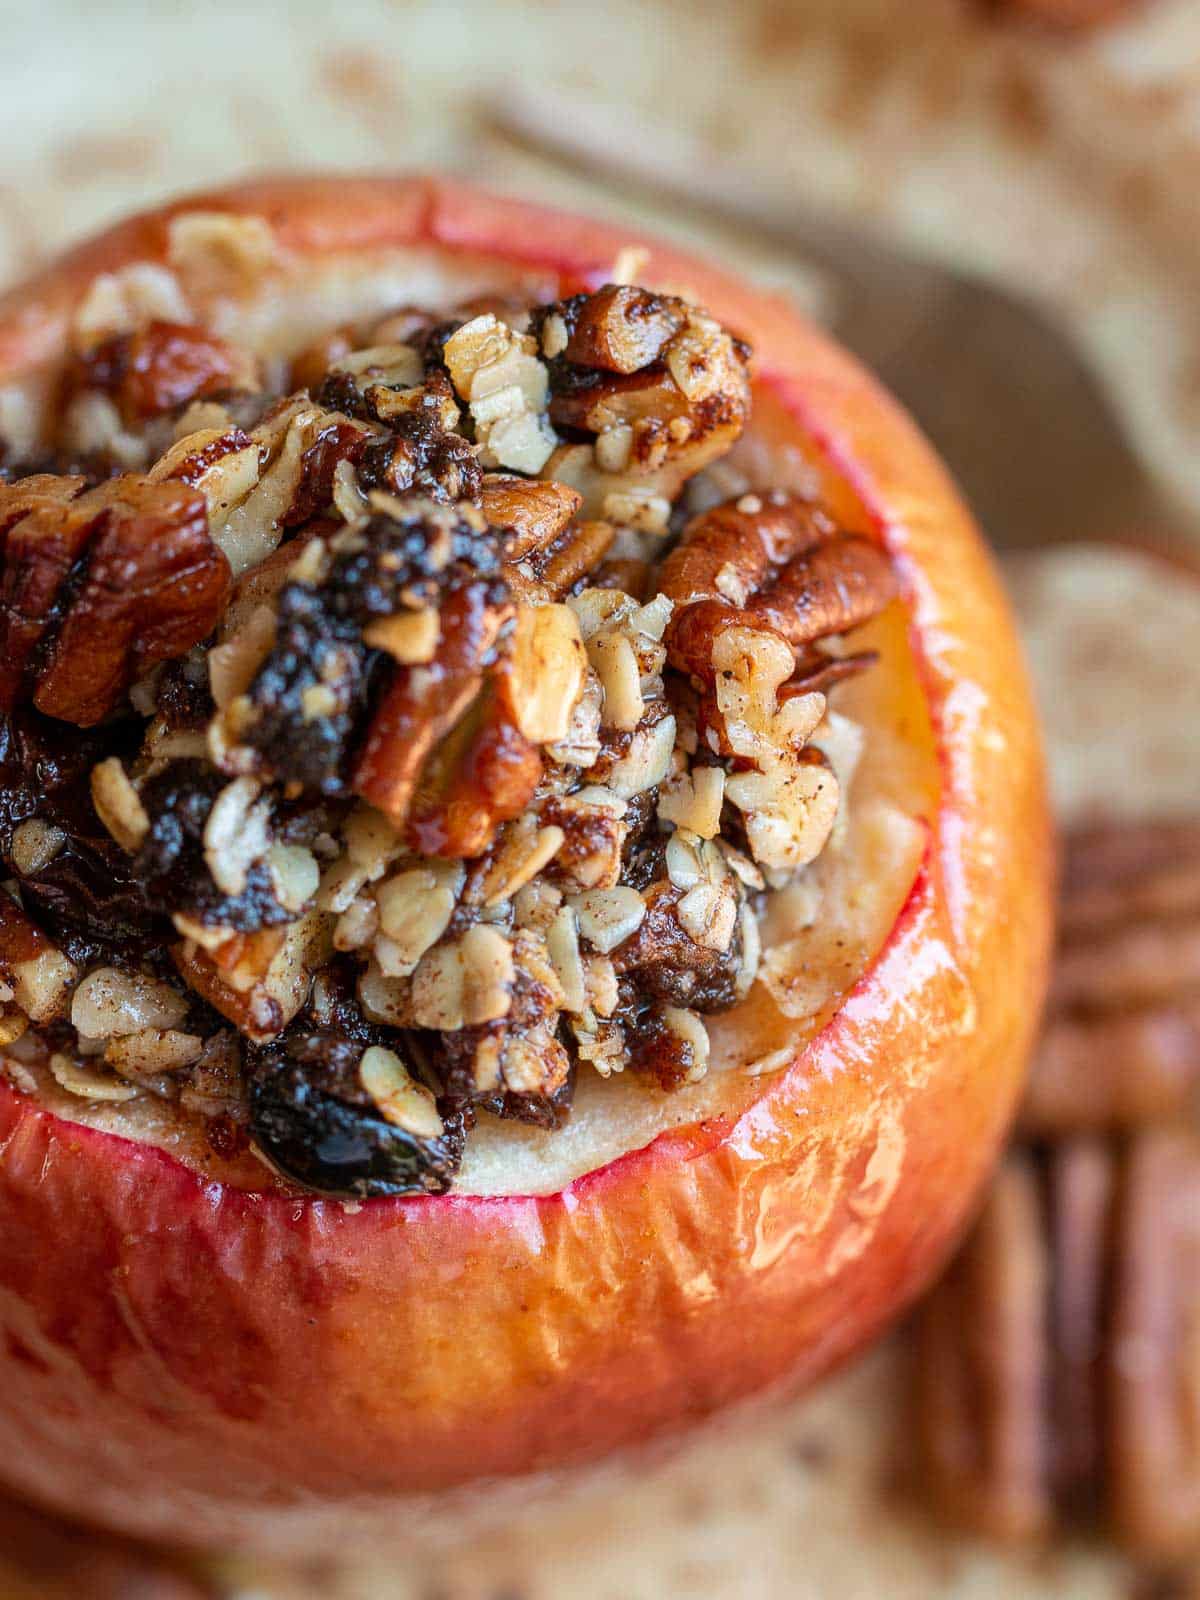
column 188, row 1359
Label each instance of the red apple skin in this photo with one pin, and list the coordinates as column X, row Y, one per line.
column 186, row 1360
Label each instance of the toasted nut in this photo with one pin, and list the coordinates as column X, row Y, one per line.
column 465, row 982
column 402, row 1100
column 118, row 804
column 1138, row 964
column 535, row 513
column 621, row 328
column 409, row 637
column 579, row 551
column 693, row 800
column 37, row 973
column 237, row 833
column 87, row 1083
column 109, row 1003
column 1114, row 1071
column 546, row 668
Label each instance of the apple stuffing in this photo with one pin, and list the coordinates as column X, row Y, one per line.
column 395, row 733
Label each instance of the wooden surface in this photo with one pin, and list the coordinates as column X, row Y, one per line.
column 1071, row 168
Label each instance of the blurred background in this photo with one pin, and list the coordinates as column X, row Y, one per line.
column 1049, row 146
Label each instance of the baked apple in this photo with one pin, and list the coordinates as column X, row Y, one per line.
column 526, row 857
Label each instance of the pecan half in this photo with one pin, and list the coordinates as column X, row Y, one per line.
column 982, row 1370
column 775, row 563
column 1154, row 1344
column 1058, row 1363
column 1118, row 873
column 1112, row 1072
column 127, row 574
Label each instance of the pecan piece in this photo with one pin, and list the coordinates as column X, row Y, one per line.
column 1082, row 1181
column 159, row 368
column 39, row 975
column 483, row 773
column 1139, row 964
column 42, row 491
column 775, row 563
column 424, row 702
column 576, row 553
column 830, row 589
column 259, row 980
column 655, row 424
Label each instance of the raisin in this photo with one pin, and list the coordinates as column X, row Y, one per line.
column 312, row 1117
column 170, row 866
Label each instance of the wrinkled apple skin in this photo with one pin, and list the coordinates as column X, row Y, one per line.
column 189, row 1361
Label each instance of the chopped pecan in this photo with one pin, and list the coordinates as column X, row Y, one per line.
column 154, row 586
column 619, row 328
column 572, row 557
column 159, row 368
column 655, row 424
column 259, row 981
column 128, row 575
column 532, row 512
column 38, row 973
column 482, row 773
column 41, row 492
column 423, row 703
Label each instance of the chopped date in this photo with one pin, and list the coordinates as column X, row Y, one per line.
column 310, row 694
column 157, row 368
column 170, row 866
column 311, row 1116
